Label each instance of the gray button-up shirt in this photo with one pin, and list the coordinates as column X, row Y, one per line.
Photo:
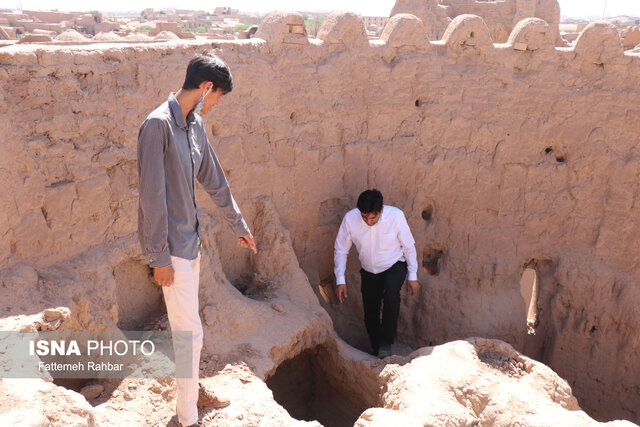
column 172, row 153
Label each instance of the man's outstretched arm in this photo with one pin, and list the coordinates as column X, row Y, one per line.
column 340, row 252
column 212, row 178
column 408, row 245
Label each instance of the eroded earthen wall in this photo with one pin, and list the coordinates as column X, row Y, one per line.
column 499, row 158
column 500, row 16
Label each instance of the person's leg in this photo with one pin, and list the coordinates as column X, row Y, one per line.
column 393, row 280
column 181, row 299
column 371, row 288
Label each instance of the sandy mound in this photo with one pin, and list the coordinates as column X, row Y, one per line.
column 475, row 382
column 71, row 36
column 107, row 37
column 166, row 35
column 137, row 37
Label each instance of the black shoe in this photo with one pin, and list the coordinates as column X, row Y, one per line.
column 384, row 351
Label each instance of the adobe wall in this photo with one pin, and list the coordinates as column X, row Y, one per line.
column 501, row 156
column 500, row 16
column 52, row 17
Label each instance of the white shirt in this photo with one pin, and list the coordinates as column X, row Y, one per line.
column 379, row 246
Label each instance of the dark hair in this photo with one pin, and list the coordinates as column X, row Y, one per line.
column 208, row 68
column 370, row 201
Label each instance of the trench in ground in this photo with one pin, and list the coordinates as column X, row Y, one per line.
column 306, row 388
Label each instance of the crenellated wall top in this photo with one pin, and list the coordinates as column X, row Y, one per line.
column 598, row 44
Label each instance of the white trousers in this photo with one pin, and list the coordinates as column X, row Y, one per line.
column 181, row 299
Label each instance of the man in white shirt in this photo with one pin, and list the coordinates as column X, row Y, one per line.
column 387, row 251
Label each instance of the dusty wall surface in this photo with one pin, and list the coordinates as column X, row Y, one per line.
column 500, row 156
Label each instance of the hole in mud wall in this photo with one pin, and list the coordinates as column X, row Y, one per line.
column 431, row 260
column 255, row 286
column 239, row 264
column 74, row 384
column 427, row 213
column 93, row 390
column 139, row 299
column 301, row 386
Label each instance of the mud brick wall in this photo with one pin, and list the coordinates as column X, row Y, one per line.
column 501, row 156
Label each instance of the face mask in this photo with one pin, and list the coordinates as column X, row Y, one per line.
column 200, row 105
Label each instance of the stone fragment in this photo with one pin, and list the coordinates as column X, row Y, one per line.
column 209, row 314
column 92, row 391
column 520, row 46
column 277, row 308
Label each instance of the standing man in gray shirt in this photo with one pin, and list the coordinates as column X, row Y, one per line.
column 174, row 151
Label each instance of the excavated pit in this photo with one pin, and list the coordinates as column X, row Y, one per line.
column 139, row 299
column 307, row 389
column 255, row 286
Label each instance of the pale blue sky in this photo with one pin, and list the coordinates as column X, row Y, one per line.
column 364, row 7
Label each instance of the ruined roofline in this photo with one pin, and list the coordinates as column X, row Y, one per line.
column 467, row 35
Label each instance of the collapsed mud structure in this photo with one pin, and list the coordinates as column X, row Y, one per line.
column 515, row 163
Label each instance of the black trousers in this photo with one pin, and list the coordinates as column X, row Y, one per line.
column 377, row 288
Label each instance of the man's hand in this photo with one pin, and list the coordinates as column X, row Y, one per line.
column 247, row 242
column 412, row 287
column 341, row 292
column 163, row 275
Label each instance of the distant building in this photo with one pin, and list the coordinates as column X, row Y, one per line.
column 378, row 21
column 171, row 27
column 225, row 11
column 93, row 24
column 374, row 24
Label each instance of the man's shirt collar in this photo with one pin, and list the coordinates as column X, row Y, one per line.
column 176, row 112
column 382, row 217
column 384, row 214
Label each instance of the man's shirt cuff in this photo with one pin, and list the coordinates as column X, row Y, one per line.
column 241, row 229
column 413, row 276
column 160, row 259
column 340, row 280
